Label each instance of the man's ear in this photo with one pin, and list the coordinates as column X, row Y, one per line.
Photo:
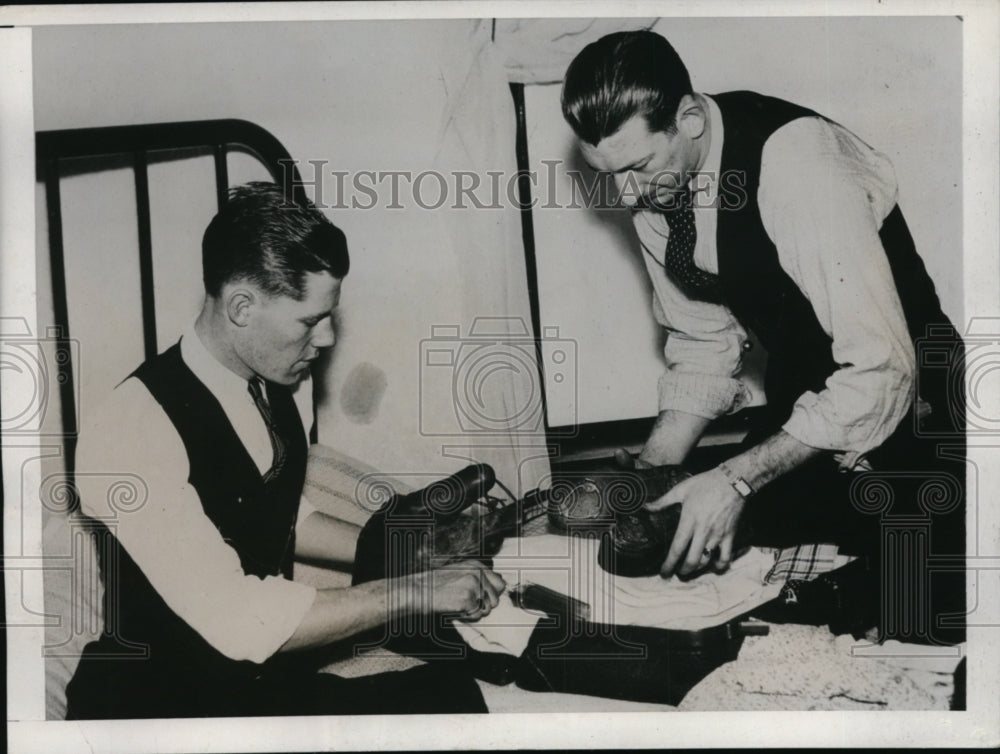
column 239, row 305
column 691, row 116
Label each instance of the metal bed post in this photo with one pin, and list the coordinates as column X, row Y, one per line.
column 221, row 174
column 64, row 365
column 528, row 236
column 145, row 255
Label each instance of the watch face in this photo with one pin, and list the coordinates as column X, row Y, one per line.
column 738, row 483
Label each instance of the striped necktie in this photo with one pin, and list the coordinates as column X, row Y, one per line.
column 277, row 444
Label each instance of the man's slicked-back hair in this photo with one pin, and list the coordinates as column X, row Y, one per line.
column 265, row 238
column 621, row 75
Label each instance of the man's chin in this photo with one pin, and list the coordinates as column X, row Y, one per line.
column 665, row 199
column 291, row 378
column 299, row 373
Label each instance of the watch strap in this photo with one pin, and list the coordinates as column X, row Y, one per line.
column 738, row 483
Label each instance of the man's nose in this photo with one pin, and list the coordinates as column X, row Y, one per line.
column 324, row 336
column 628, row 188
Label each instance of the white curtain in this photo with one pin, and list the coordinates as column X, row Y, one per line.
column 538, row 51
column 478, row 133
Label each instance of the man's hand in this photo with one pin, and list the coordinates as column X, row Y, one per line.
column 468, row 588
column 711, row 507
column 710, row 510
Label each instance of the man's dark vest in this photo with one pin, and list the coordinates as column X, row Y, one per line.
column 256, row 519
column 766, row 300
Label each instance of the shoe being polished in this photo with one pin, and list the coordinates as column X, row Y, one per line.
column 609, row 500
column 593, row 499
column 433, row 527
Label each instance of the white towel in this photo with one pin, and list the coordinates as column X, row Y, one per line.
column 569, row 566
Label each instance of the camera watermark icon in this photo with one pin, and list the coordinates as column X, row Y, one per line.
column 944, row 368
column 487, row 383
column 34, row 369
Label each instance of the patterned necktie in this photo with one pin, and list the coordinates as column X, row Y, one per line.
column 679, row 258
column 277, row 444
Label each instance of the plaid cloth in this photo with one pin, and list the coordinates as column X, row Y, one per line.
column 804, row 562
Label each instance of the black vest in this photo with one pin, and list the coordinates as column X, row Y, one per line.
column 256, row 519
column 766, row 300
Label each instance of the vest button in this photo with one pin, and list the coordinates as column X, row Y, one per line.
column 747, row 345
column 239, row 499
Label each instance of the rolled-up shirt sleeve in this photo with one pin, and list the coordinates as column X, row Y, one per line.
column 704, row 341
column 169, row 536
column 823, row 197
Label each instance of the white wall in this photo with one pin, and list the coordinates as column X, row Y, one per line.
column 896, row 82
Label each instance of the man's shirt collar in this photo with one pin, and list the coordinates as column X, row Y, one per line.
column 220, row 380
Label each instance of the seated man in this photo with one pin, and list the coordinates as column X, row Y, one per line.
column 757, row 214
column 202, row 617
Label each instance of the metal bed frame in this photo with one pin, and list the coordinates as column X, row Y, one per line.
column 135, row 144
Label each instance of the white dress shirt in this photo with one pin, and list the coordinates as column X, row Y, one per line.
column 169, row 536
column 823, row 197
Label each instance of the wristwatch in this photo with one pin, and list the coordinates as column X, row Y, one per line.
column 738, row 483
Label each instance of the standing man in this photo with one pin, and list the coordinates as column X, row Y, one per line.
column 202, row 617
column 757, row 214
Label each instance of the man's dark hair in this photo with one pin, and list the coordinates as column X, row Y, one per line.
column 622, row 75
column 263, row 237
